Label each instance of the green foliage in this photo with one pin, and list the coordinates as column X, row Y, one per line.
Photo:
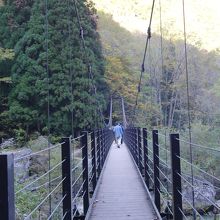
column 13, row 22
column 207, row 136
column 27, row 201
column 20, row 136
column 55, row 139
column 6, row 61
column 163, row 99
column 123, row 52
column 6, row 54
column 23, row 29
column 216, row 88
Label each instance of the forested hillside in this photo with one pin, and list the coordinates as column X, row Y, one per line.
column 24, row 78
column 123, row 26
column 162, row 102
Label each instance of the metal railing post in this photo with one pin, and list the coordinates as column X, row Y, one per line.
column 84, row 144
column 136, row 146
column 176, row 176
column 140, row 157
column 98, row 152
column 7, row 198
column 131, row 141
column 110, row 141
column 67, row 176
column 105, row 145
column 93, row 150
column 156, row 170
column 101, row 148
column 146, row 162
column 127, row 140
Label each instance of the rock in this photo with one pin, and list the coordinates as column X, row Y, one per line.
column 7, row 143
column 216, row 208
column 21, row 167
column 79, row 205
column 217, row 196
column 203, row 189
column 217, row 183
column 38, row 164
column 38, row 144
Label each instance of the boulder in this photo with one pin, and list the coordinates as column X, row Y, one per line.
column 38, row 144
column 216, row 208
column 21, row 167
column 7, row 143
column 217, row 182
column 38, row 164
column 204, row 194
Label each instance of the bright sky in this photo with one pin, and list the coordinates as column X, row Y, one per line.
column 202, row 17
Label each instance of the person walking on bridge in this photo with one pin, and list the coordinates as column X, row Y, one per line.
column 118, row 132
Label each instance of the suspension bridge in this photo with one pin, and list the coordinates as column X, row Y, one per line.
column 141, row 180
column 130, row 182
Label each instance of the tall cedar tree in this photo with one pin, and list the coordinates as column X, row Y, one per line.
column 67, row 63
column 14, row 16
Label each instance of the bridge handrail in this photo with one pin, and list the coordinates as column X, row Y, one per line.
column 73, row 186
column 147, row 154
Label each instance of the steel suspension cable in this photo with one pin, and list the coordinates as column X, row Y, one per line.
column 71, row 85
column 151, row 78
column 91, row 77
column 162, row 64
column 70, row 66
column 188, row 107
column 144, row 57
column 48, row 101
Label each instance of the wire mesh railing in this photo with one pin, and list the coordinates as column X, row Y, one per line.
column 163, row 166
column 73, row 179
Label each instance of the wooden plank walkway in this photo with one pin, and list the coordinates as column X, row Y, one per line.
column 121, row 194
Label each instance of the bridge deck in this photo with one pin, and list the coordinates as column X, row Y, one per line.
column 121, row 194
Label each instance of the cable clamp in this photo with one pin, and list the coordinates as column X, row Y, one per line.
column 142, row 67
column 149, row 33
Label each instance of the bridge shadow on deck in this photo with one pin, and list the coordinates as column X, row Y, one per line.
column 121, row 194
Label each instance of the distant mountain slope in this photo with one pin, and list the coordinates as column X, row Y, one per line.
column 122, row 26
column 202, row 18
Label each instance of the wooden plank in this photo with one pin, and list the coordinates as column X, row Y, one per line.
column 121, row 195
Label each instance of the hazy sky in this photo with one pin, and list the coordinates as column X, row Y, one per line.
column 202, row 17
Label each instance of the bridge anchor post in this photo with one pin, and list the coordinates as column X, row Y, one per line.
column 67, row 176
column 136, row 147
column 156, row 169
column 176, row 176
column 98, row 153
column 146, row 162
column 93, row 149
column 84, row 143
column 7, row 198
column 140, row 152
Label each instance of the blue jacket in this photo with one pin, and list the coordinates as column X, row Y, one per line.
column 118, row 131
